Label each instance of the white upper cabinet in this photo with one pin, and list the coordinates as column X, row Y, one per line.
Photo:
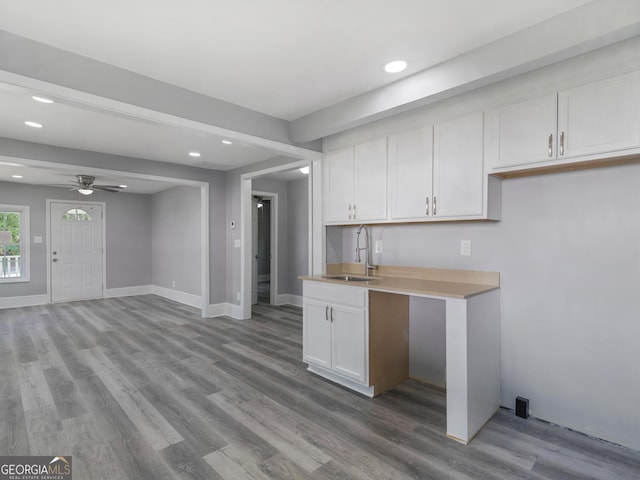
column 411, row 175
column 356, row 183
column 339, row 174
column 523, row 133
column 370, row 200
column 599, row 117
column 458, row 170
column 591, row 121
column 438, row 173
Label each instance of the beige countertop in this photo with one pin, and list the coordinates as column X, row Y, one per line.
column 416, row 281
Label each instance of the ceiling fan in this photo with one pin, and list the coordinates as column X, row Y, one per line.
column 84, row 184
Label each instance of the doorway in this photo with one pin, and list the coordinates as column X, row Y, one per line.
column 264, row 242
column 76, row 239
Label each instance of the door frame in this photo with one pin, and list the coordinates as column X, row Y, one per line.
column 103, row 221
column 315, row 226
column 273, row 247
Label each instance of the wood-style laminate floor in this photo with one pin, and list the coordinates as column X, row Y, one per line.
column 143, row 388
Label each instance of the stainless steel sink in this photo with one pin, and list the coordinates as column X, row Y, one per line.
column 349, row 278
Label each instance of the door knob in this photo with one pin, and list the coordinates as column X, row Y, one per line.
column 54, row 260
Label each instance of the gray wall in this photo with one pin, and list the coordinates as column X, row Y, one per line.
column 568, row 252
column 175, row 242
column 298, row 233
column 218, row 214
column 128, row 234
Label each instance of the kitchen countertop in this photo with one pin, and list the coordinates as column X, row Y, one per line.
column 415, row 281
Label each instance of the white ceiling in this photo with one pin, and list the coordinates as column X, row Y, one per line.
column 284, row 58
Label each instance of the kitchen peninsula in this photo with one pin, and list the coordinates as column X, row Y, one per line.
column 356, row 333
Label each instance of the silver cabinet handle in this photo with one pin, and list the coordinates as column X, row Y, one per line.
column 349, row 210
column 426, row 206
column 550, row 150
column 434, row 205
column 326, row 312
column 561, row 143
column 354, row 211
column 331, row 314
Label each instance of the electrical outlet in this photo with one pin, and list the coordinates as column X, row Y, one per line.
column 173, row 284
column 465, row 248
column 378, row 246
column 238, row 296
column 236, row 243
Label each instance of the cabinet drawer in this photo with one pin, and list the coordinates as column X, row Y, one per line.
column 332, row 293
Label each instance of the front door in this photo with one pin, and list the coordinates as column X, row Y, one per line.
column 76, row 251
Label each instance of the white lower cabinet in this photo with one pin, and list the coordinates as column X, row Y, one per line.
column 335, row 329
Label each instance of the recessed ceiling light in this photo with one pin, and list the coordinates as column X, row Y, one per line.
column 42, row 99
column 227, row 142
column 305, row 170
column 194, row 154
column 17, row 176
column 122, row 186
column 33, row 124
column 395, row 66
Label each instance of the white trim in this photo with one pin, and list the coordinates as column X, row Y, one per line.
column 339, row 379
column 224, row 310
column 289, row 299
column 25, row 301
column 205, row 287
column 178, row 296
column 128, row 291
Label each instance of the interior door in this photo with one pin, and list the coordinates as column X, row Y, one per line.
column 76, row 251
column 254, row 251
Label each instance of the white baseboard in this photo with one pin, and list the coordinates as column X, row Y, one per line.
column 289, row 299
column 181, row 297
column 265, row 277
column 128, row 291
column 224, row 310
column 26, row 301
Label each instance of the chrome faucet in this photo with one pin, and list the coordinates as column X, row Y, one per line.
column 367, row 263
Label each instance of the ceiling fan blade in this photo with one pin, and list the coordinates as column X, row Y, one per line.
column 117, row 187
column 104, row 188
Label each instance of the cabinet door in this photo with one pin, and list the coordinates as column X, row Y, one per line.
column 458, row 167
column 371, row 180
column 316, row 333
column 350, row 342
column 601, row 116
column 338, row 186
column 410, row 174
column 522, row 133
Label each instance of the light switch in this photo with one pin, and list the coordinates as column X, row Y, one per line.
column 465, row 248
column 378, row 246
column 37, row 239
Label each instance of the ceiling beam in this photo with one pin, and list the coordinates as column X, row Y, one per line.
column 26, row 63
